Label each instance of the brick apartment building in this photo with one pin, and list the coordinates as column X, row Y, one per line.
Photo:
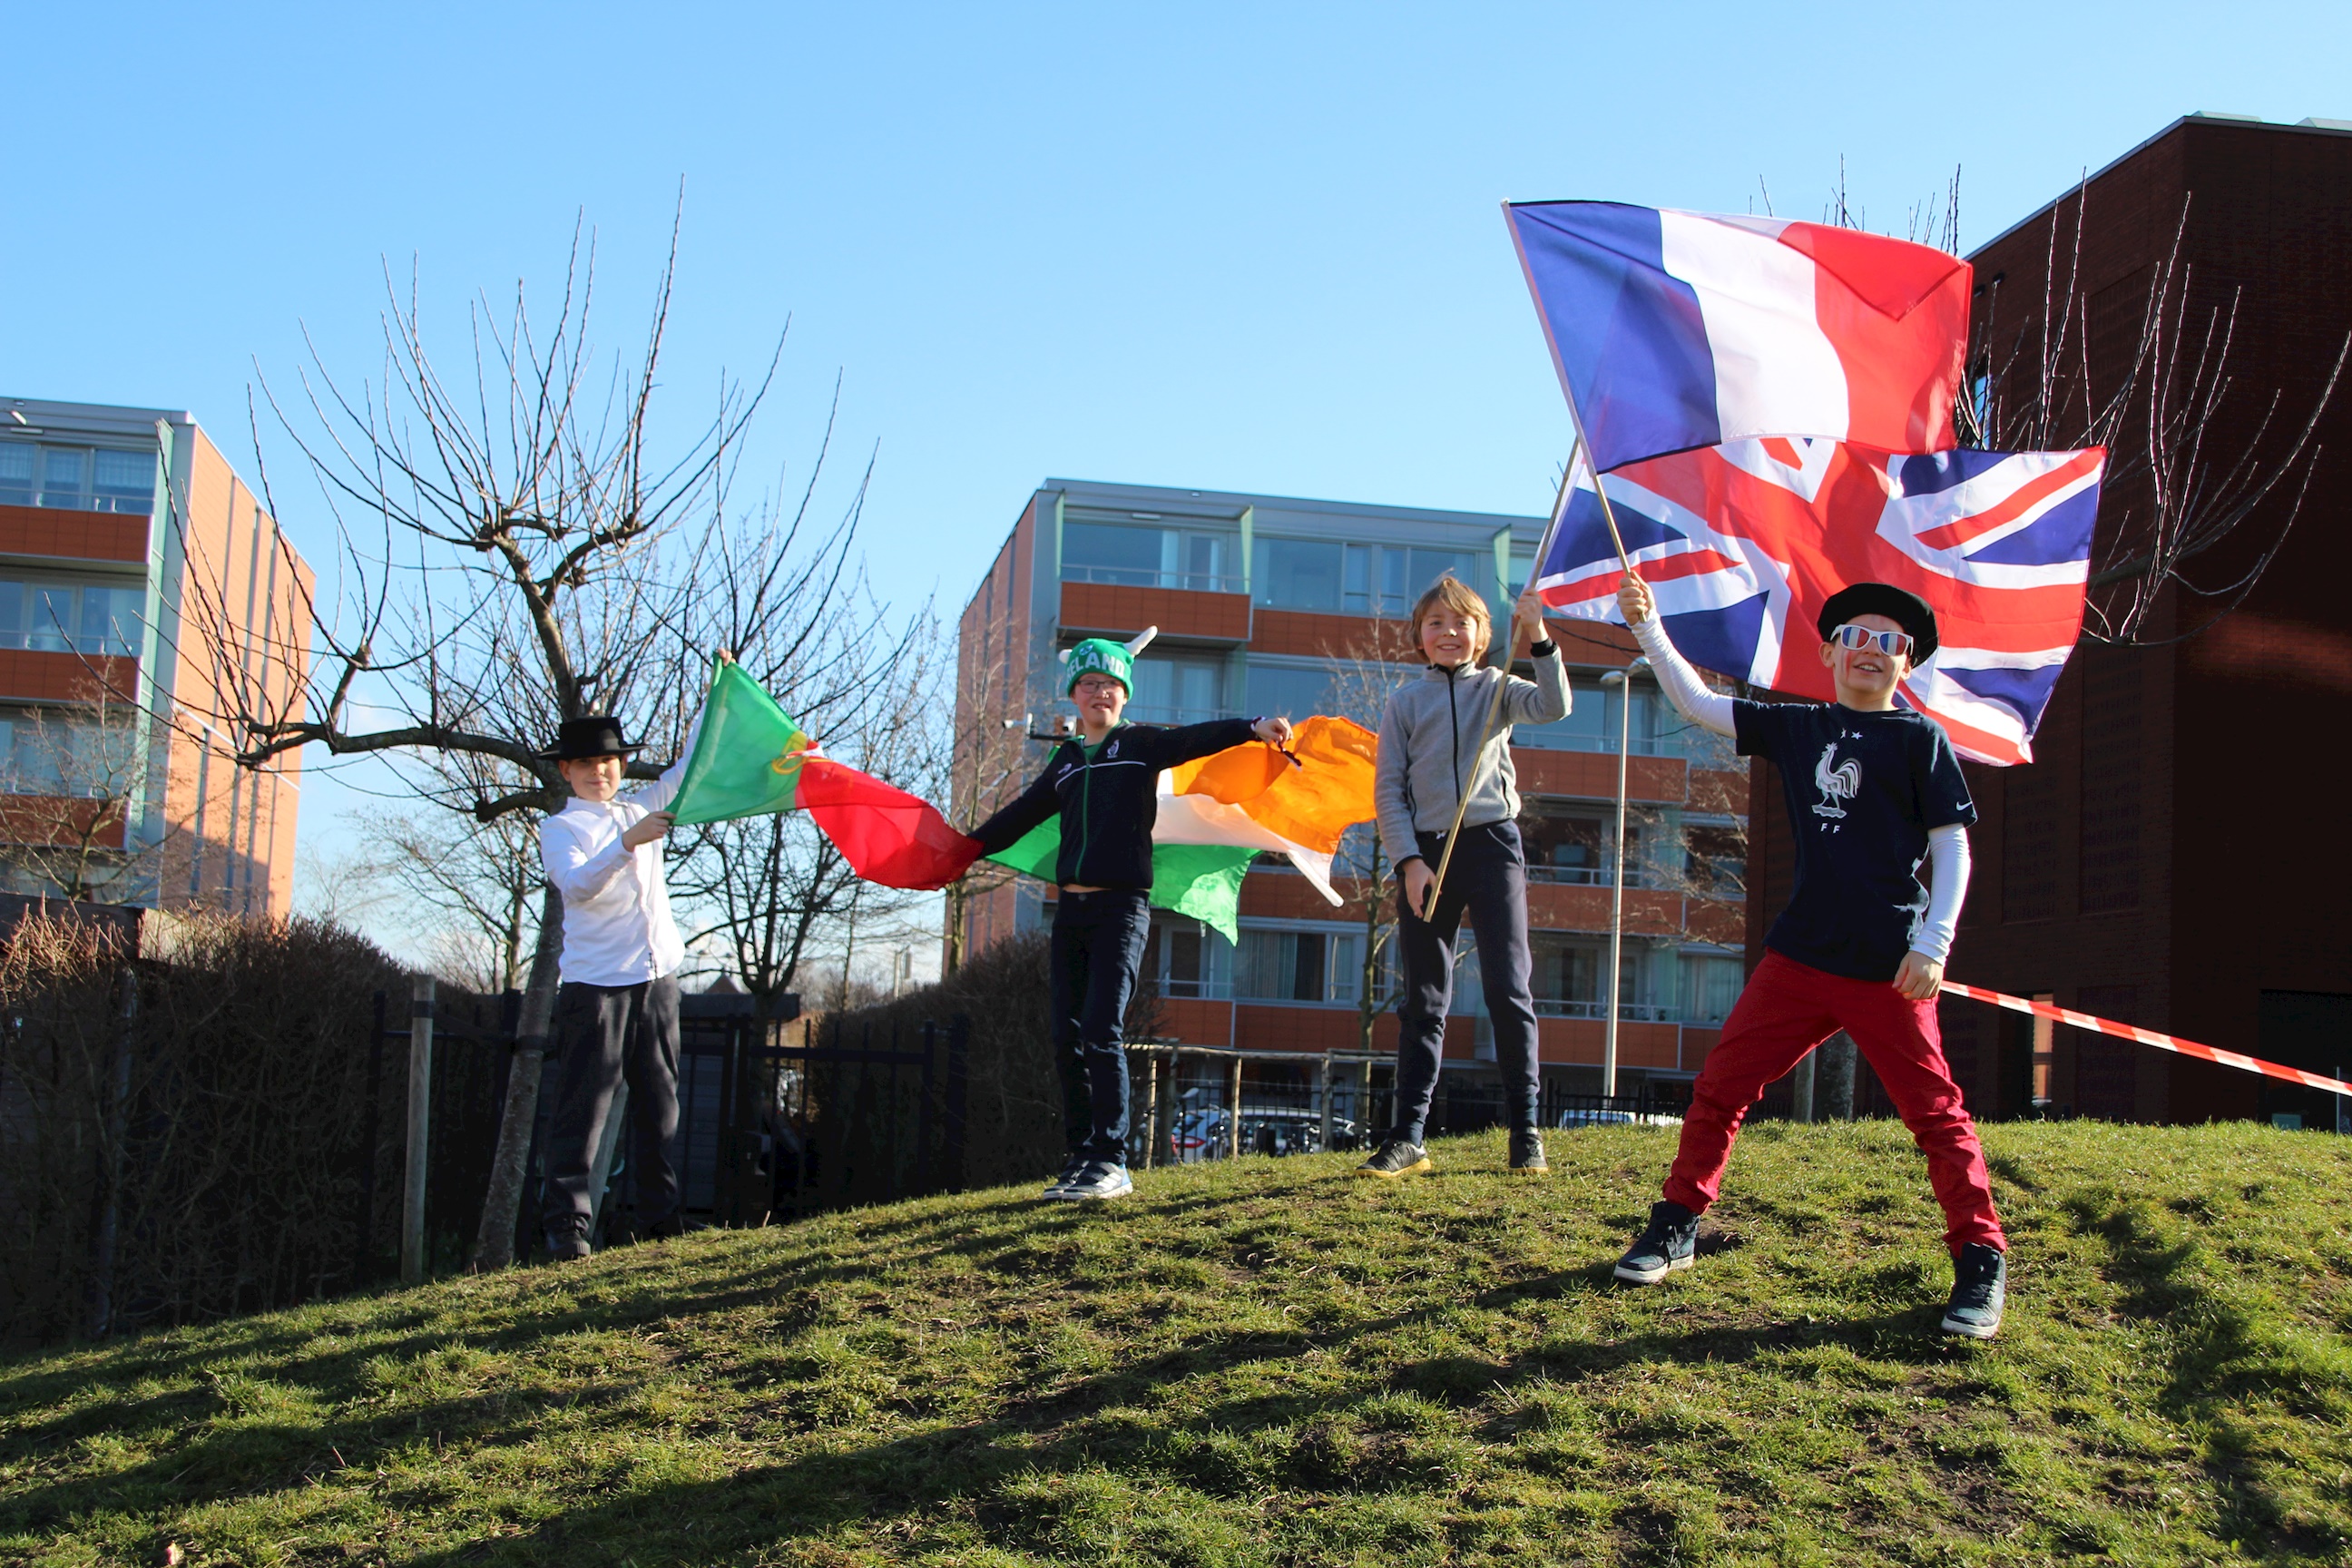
column 1266, row 605
column 2170, row 859
column 119, row 528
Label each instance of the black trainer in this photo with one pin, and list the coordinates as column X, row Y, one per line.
column 567, row 1243
column 1979, row 1286
column 1396, row 1158
column 1671, row 1242
column 1072, row 1169
column 1527, row 1154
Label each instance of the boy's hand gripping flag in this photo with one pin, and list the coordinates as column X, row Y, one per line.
column 1742, row 544
column 1672, row 330
column 753, row 759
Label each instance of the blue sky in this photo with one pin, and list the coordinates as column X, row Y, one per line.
column 1232, row 247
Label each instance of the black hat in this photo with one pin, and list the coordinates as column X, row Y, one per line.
column 1906, row 609
column 597, row 735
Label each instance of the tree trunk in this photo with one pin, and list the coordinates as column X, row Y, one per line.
column 494, row 1243
column 1833, row 1078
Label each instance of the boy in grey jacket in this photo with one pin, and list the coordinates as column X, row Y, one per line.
column 1434, row 746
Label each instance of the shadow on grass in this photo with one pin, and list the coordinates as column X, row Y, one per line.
column 2223, row 1364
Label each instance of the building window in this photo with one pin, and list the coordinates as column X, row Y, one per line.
column 52, row 754
column 1568, row 980
column 1290, row 691
column 1296, row 574
column 1199, row 559
column 1575, row 845
column 79, row 478
column 1177, row 689
column 1595, row 725
column 1714, row 861
column 1187, row 959
column 1710, row 985
column 1299, row 966
column 70, row 617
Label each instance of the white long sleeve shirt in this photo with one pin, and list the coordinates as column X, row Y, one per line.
column 1948, row 846
column 618, row 929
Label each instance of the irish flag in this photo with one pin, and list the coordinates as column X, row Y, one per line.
column 1215, row 814
column 1218, row 813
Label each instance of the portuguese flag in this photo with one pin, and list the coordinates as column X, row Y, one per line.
column 1215, row 814
column 752, row 758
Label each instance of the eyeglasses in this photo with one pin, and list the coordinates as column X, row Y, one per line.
column 1855, row 636
column 1093, row 684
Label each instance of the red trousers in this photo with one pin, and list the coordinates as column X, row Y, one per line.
column 1787, row 1009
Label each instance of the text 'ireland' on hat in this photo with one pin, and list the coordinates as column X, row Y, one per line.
column 1100, row 656
column 596, row 735
column 1905, row 608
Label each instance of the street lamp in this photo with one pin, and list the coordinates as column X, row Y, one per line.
column 1622, row 680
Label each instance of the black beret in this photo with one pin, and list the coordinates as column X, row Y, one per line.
column 1906, row 609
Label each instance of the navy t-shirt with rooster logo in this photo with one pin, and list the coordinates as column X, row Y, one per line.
column 1862, row 789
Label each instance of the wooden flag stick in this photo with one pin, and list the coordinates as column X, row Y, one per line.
column 1495, row 708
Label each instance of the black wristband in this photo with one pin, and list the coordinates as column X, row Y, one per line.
column 1541, row 646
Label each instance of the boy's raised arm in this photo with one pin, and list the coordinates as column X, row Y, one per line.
column 1707, row 710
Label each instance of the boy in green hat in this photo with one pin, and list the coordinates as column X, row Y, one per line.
column 1105, row 783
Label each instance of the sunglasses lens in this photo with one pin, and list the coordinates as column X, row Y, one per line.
column 1853, row 636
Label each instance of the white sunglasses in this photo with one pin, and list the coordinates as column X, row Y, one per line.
column 1855, row 636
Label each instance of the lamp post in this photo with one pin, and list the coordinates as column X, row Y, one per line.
column 1622, row 680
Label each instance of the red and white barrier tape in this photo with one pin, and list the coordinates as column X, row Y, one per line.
column 2151, row 1038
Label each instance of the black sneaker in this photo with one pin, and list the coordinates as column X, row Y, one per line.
column 1527, row 1154
column 1979, row 1284
column 567, row 1243
column 1671, row 1242
column 1396, row 1158
column 1072, row 1169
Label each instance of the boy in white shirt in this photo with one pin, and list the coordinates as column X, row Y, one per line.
column 616, row 1015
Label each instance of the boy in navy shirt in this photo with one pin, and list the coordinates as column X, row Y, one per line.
column 1872, row 789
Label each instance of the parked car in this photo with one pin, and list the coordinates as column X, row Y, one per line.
column 1201, row 1134
column 1575, row 1116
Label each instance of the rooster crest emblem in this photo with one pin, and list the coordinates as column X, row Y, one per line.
column 1836, row 781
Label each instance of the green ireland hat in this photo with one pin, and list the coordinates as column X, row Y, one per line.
column 1100, row 656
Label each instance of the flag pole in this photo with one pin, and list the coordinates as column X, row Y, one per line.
column 1495, row 708
column 1608, row 512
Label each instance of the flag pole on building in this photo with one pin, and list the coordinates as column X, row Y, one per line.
column 1495, row 708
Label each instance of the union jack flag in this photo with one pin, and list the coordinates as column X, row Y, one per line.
column 1743, row 543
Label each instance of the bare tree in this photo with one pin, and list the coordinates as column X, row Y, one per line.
column 514, row 550
column 2195, row 453
column 2175, row 488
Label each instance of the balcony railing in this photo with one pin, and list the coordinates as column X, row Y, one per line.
column 1584, row 876
column 1141, row 713
column 1631, row 1013
column 75, row 500
column 1136, row 578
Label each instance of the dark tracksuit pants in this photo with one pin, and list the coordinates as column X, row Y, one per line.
column 606, row 1035
column 1097, row 951
column 1488, row 882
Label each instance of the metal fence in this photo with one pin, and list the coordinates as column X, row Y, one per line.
column 1189, row 1103
column 778, row 1117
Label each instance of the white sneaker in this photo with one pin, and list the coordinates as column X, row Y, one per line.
column 1101, row 1179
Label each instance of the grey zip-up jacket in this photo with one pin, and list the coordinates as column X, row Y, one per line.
column 1429, row 748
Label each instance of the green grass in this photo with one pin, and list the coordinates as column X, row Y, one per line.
column 1260, row 1363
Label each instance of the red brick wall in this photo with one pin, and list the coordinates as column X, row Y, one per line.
column 32, row 675
column 73, row 535
column 1177, row 612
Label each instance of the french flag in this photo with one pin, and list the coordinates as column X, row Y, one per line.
column 1672, row 330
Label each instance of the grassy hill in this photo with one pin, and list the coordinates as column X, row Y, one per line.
column 1259, row 1362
